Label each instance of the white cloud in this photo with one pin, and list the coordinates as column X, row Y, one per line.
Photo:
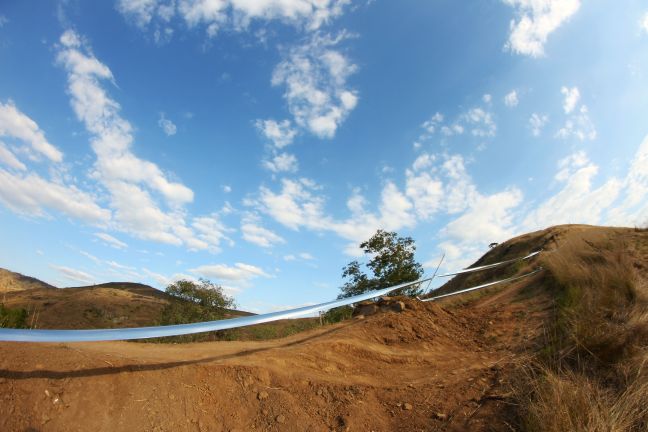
column 133, row 184
column 298, row 205
column 240, row 273
column 537, row 122
column 578, row 125
column 315, row 77
column 15, row 124
column 227, row 188
column 256, row 234
column 73, row 274
column 481, row 121
column 231, row 14
column 3, row 21
column 168, row 127
column 537, row 19
column 487, row 98
column 511, row 99
column 572, row 96
column 306, row 256
column 432, row 124
column 280, row 133
column 111, row 241
column 633, row 209
column 9, row 159
column 30, row 194
column 644, row 22
column 283, row 162
column 577, row 201
column 487, row 219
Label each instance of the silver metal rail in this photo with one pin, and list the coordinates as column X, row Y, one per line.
column 488, row 266
column 23, row 335
column 482, row 286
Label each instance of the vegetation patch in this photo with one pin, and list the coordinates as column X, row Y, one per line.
column 590, row 372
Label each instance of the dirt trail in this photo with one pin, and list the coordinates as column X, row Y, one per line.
column 427, row 368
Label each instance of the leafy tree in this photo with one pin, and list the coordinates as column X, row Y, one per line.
column 195, row 302
column 392, row 263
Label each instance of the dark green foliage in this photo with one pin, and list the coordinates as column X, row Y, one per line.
column 196, row 302
column 12, row 318
column 337, row 314
column 392, row 263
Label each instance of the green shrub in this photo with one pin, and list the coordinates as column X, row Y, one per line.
column 12, row 318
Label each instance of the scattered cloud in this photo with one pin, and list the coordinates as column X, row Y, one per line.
column 480, row 122
column 145, row 202
column 9, row 159
column 256, row 234
column 644, row 22
column 315, row 77
column 73, row 274
column 111, row 241
column 280, row 133
column 227, row 188
column 167, row 126
column 283, row 162
column 511, row 99
column 487, row 98
column 31, row 195
column 15, row 124
column 537, row 122
column 577, row 201
column 579, row 126
column 572, row 96
column 239, row 273
column 536, row 20
column 230, row 14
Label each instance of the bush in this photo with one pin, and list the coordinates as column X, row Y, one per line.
column 195, row 302
column 12, row 318
column 337, row 314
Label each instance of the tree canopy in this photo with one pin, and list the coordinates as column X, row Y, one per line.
column 195, row 302
column 392, row 262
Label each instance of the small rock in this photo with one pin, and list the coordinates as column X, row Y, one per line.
column 319, row 392
column 262, row 395
column 407, row 406
column 399, row 306
column 265, row 412
column 441, row 416
column 280, row 418
column 359, row 317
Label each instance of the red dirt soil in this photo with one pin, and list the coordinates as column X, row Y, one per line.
column 423, row 369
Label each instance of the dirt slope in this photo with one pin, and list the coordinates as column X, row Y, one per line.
column 432, row 367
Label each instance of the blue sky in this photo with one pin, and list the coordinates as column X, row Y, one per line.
column 257, row 143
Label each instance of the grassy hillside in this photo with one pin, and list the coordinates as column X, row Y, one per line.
column 11, row 281
column 108, row 305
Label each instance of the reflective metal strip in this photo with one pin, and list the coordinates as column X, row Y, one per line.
column 488, row 266
column 22, row 335
column 483, row 286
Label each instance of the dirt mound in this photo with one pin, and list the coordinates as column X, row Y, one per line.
column 426, row 368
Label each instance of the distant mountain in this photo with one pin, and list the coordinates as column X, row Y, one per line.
column 11, row 281
column 113, row 304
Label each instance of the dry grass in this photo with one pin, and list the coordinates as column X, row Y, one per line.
column 589, row 374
